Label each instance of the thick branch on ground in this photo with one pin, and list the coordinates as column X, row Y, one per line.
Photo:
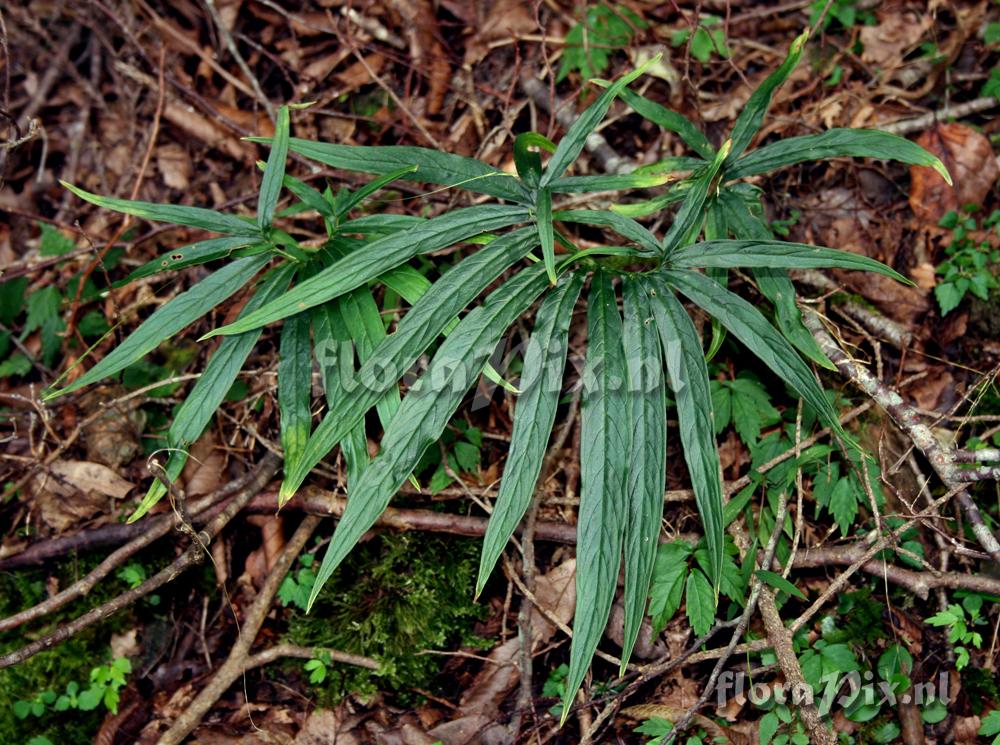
column 906, row 418
column 194, row 554
column 236, row 663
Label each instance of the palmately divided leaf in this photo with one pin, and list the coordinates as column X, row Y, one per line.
column 835, row 143
column 433, row 167
column 421, row 325
column 195, row 217
column 731, row 254
column 270, row 186
column 688, row 377
column 379, row 257
column 534, row 414
column 209, row 391
column 747, row 324
column 295, row 387
column 604, row 457
column 427, row 409
column 170, row 318
column 647, row 465
column 670, row 121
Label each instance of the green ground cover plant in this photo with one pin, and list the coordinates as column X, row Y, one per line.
column 329, row 300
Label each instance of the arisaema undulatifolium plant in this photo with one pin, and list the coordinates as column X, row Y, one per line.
column 642, row 341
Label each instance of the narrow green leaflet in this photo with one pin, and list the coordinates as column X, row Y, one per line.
column 427, row 409
column 371, row 187
column 381, row 224
column 527, row 158
column 748, row 122
column 571, row 145
column 541, row 383
column 311, row 198
column 604, row 457
column 776, row 286
column 687, row 221
column 647, row 466
column 433, row 167
column 607, row 182
column 730, row 254
column 424, row 322
column 170, row 318
column 835, row 143
column 669, row 120
column 210, row 389
column 270, row 186
column 195, row 217
column 410, row 285
column 546, row 233
column 747, row 324
column 626, row 227
column 378, row 257
column 649, row 206
column 295, row 387
column 744, row 214
column 364, row 324
column 334, row 350
column 778, row 582
column 688, row 376
column 191, row 255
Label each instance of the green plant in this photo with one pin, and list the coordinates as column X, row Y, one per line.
column 706, row 39
column 958, row 624
column 990, row 727
column 629, row 359
column 317, row 667
column 604, row 30
column 296, row 588
column 845, row 12
column 106, row 682
column 967, row 266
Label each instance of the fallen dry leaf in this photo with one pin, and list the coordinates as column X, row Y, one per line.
column 924, row 275
column 87, row 476
column 327, row 727
column 114, row 437
column 505, row 19
column 969, row 158
column 898, row 31
column 175, row 165
column 62, row 506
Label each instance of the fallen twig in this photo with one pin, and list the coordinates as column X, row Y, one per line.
column 194, row 554
column 239, row 655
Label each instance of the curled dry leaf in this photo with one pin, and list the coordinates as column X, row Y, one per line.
column 969, row 158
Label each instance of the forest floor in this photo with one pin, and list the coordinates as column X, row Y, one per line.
column 152, row 100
